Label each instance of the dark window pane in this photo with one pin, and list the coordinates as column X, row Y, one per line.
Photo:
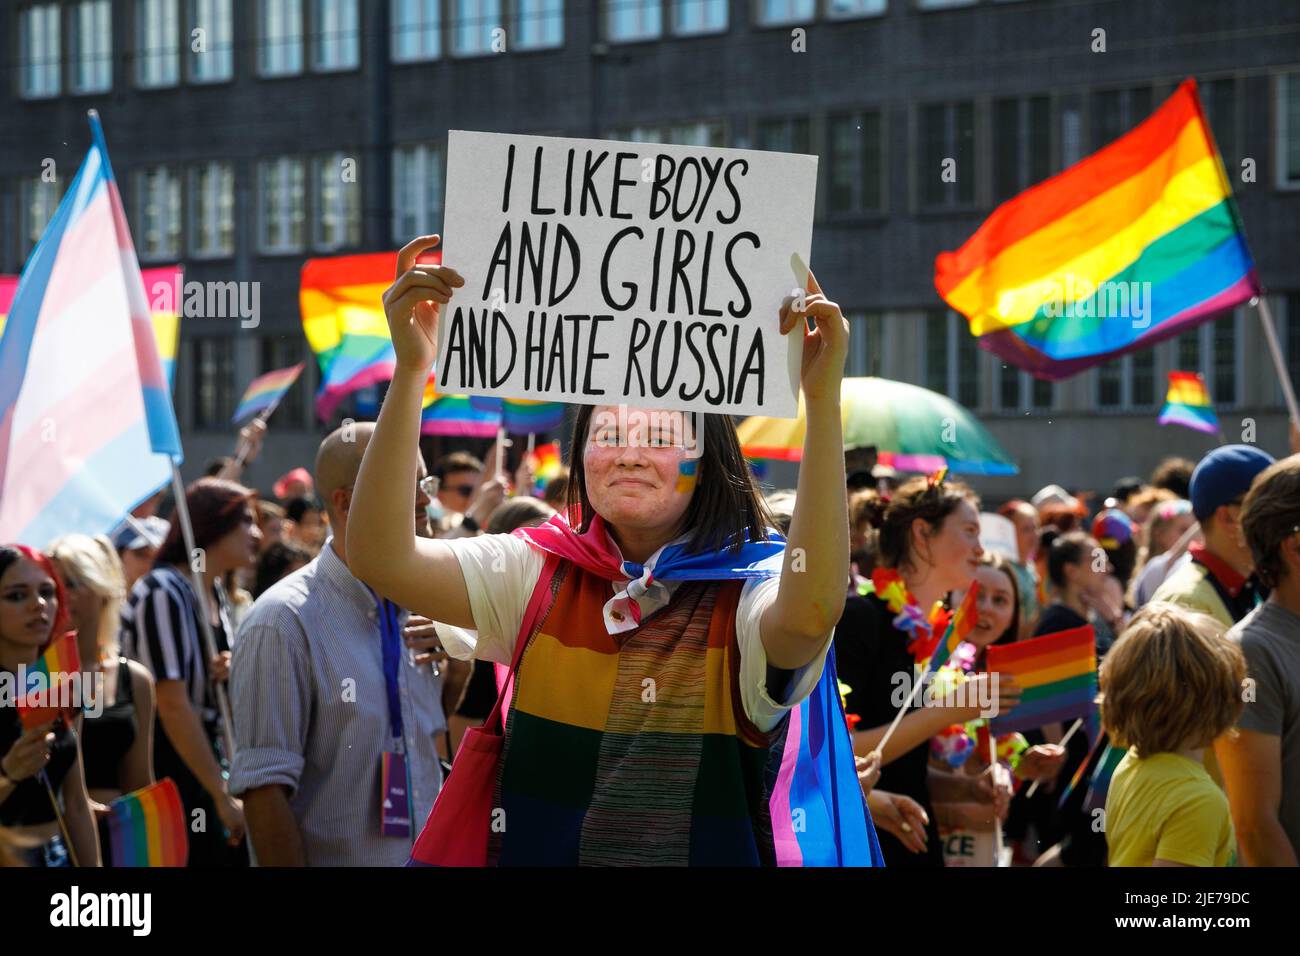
column 967, row 366
column 1009, row 388
column 1107, row 120
column 965, row 132
column 1139, row 106
column 936, row 352
column 844, row 144
column 1225, row 360
column 1189, row 351
column 932, row 155
column 1006, row 146
column 1040, row 139
column 1220, row 100
column 873, row 159
column 1292, row 333
column 1043, row 393
column 1144, row 377
column 1109, row 391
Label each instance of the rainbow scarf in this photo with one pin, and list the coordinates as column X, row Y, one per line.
column 813, row 759
column 147, row 827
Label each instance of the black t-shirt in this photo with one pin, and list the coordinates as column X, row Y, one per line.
column 29, row 804
column 869, row 654
column 1058, row 617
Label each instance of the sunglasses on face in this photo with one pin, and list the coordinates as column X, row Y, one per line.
column 463, row 490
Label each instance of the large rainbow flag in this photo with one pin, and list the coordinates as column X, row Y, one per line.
column 164, row 287
column 1058, row 673
column 1130, row 246
column 36, row 705
column 87, row 429
column 1188, row 403
column 147, row 827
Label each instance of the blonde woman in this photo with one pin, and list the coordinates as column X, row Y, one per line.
column 117, row 736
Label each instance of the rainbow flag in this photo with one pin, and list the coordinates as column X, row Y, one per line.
column 962, row 623
column 1188, row 403
column 546, row 464
column 1135, row 244
column 1058, row 673
column 87, row 429
column 521, row 416
column 265, row 391
column 164, row 287
column 61, row 657
column 147, row 827
column 1099, row 783
column 457, row 415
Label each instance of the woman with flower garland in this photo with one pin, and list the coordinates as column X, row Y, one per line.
column 928, row 546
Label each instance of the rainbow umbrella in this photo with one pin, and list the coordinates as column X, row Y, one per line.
column 912, row 428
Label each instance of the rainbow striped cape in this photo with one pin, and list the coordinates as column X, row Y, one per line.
column 1129, row 247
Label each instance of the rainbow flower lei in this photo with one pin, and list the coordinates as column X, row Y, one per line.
column 889, row 586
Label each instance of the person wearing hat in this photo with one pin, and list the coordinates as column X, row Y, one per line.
column 293, row 484
column 137, row 543
column 1217, row 580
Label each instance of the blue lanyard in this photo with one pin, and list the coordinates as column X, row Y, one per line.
column 391, row 640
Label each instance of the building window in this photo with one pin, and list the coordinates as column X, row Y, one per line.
column 211, row 47
column 337, row 37
column 212, row 210
column 944, row 4
column 866, row 344
column 947, row 155
column 628, row 20
column 699, row 16
column 1115, row 112
column 416, row 30
column 540, row 24
column 473, row 25
column 843, row 9
column 1022, row 138
column 214, row 371
column 1129, row 382
column 417, row 192
column 280, row 38
column 1219, row 97
column 282, row 194
column 1211, row 350
column 284, row 352
column 704, row 133
column 855, row 155
column 158, row 213
column 39, row 51
column 38, row 200
column 1291, row 339
column 951, row 357
column 1019, row 391
column 337, row 202
column 1288, row 130
column 773, row 13
column 157, row 43
column 92, row 47
column 785, row 135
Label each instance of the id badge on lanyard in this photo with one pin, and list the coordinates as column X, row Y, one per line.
column 394, row 774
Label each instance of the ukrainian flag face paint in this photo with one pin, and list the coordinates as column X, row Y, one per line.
column 687, row 469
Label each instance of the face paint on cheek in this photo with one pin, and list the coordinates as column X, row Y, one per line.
column 686, row 474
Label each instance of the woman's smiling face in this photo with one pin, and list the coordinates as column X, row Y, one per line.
column 633, row 468
column 996, row 603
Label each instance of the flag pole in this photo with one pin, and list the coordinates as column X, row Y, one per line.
column 1279, row 363
column 58, row 816
column 205, row 620
column 997, row 824
column 1064, row 740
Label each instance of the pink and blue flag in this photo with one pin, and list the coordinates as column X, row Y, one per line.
column 87, row 429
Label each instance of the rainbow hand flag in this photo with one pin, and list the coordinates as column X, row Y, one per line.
column 546, row 464
column 1058, row 674
column 87, row 429
column 1188, row 403
column 43, row 679
column 521, row 416
column 962, row 623
column 265, row 392
column 147, row 827
column 457, row 415
column 1135, row 244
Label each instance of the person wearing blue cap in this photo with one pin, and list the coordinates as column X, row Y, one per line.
column 1218, row 579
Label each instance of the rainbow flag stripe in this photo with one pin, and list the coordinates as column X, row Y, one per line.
column 265, row 391
column 1188, row 403
column 521, row 416
column 546, row 464
column 457, row 415
column 1099, row 783
column 1059, row 676
column 147, row 827
column 61, row 657
column 963, row 622
column 1045, row 282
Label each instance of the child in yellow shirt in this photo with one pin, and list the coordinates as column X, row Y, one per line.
column 1171, row 685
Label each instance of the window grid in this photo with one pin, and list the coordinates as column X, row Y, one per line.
column 214, row 372
column 40, row 51
column 92, row 47
column 540, row 24
column 157, row 38
column 337, row 39
column 417, row 191
column 38, row 200
column 283, row 352
column 699, row 16
column 280, row 36
column 416, row 30
column 947, row 132
column 214, row 61
column 773, row 13
column 212, row 204
column 627, row 21
column 472, row 25
column 337, row 202
column 158, row 205
column 281, row 201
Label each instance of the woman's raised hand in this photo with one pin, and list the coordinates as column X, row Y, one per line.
column 412, row 304
column 824, row 348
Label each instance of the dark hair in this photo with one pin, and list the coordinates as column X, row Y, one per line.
column 455, row 461
column 556, row 492
column 1270, row 515
column 297, row 507
column 10, row 554
column 1127, row 487
column 1175, row 474
column 1124, row 559
column 216, row 508
column 267, row 510
column 1009, row 509
column 726, row 501
column 1068, row 548
column 216, row 465
column 515, row 513
column 274, row 564
column 915, row 498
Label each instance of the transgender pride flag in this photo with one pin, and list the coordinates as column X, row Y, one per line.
column 87, row 429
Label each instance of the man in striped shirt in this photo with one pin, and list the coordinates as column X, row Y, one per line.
column 314, row 712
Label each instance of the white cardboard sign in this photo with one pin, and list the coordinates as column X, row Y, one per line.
column 600, row 272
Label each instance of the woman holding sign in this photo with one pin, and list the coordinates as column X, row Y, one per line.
column 657, row 643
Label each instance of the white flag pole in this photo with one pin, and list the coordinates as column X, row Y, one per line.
column 1279, row 363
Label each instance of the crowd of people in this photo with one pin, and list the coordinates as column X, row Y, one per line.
column 367, row 613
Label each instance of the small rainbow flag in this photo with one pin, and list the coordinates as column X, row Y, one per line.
column 1099, row 783
column 456, row 415
column 1188, row 403
column 1058, row 674
column 1133, row 245
column 546, row 464
column 265, row 392
column 61, row 657
column 962, row 623
column 521, row 416
column 147, row 827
